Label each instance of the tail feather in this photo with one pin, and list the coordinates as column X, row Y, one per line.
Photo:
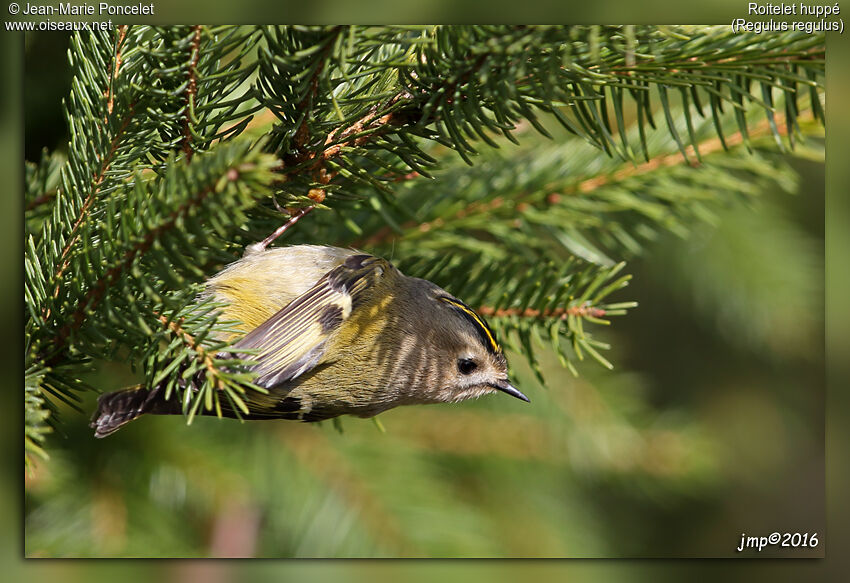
column 114, row 410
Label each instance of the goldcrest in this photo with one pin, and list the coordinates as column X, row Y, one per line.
column 335, row 331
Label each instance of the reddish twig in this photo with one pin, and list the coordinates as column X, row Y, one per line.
column 402, row 177
column 582, row 311
column 293, row 218
column 708, row 147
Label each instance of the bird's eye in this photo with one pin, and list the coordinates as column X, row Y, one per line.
column 466, row 366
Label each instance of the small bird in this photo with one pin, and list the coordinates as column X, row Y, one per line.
column 335, row 331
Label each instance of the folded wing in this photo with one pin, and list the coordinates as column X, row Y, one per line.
column 294, row 340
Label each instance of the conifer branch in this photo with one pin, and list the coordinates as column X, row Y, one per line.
column 358, row 133
column 95, row 190
column 709, row 146
column 301, row 134
column 97, row 292
column 368, row 127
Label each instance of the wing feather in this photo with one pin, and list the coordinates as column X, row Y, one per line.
column 293, row 340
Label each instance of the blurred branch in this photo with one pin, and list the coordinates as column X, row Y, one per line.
column 314, row 452
column 387, row 234
column 41, row 199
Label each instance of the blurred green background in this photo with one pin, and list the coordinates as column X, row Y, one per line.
column 710, row 426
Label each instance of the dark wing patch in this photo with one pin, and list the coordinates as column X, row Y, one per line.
column 293, row 340
column 330, row 318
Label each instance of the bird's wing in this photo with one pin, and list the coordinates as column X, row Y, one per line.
column 294, row 339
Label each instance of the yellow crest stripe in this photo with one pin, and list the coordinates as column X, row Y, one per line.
column 482, row 325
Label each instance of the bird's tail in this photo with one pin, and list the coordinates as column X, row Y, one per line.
column 116, row 409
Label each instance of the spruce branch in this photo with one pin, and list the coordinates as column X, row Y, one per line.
column 278, row 70
column 370, row 126
column 294, row 218
column 192, row 344
column 306, row 104
column 439, row 85
column 199, row 367
column 113, row 305
column 82, row 258
column 83, row 212
column 139, row 247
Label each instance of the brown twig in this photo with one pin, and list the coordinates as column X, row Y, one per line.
column 191, row 91
column 373, row 122
column 708, row 147
column 335, row 141
column 122, row 32
column 401, row 177
column 294, row 217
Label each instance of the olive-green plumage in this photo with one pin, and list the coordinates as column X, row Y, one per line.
column 334, row 331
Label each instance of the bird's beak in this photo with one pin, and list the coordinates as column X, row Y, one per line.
column 508, row 388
